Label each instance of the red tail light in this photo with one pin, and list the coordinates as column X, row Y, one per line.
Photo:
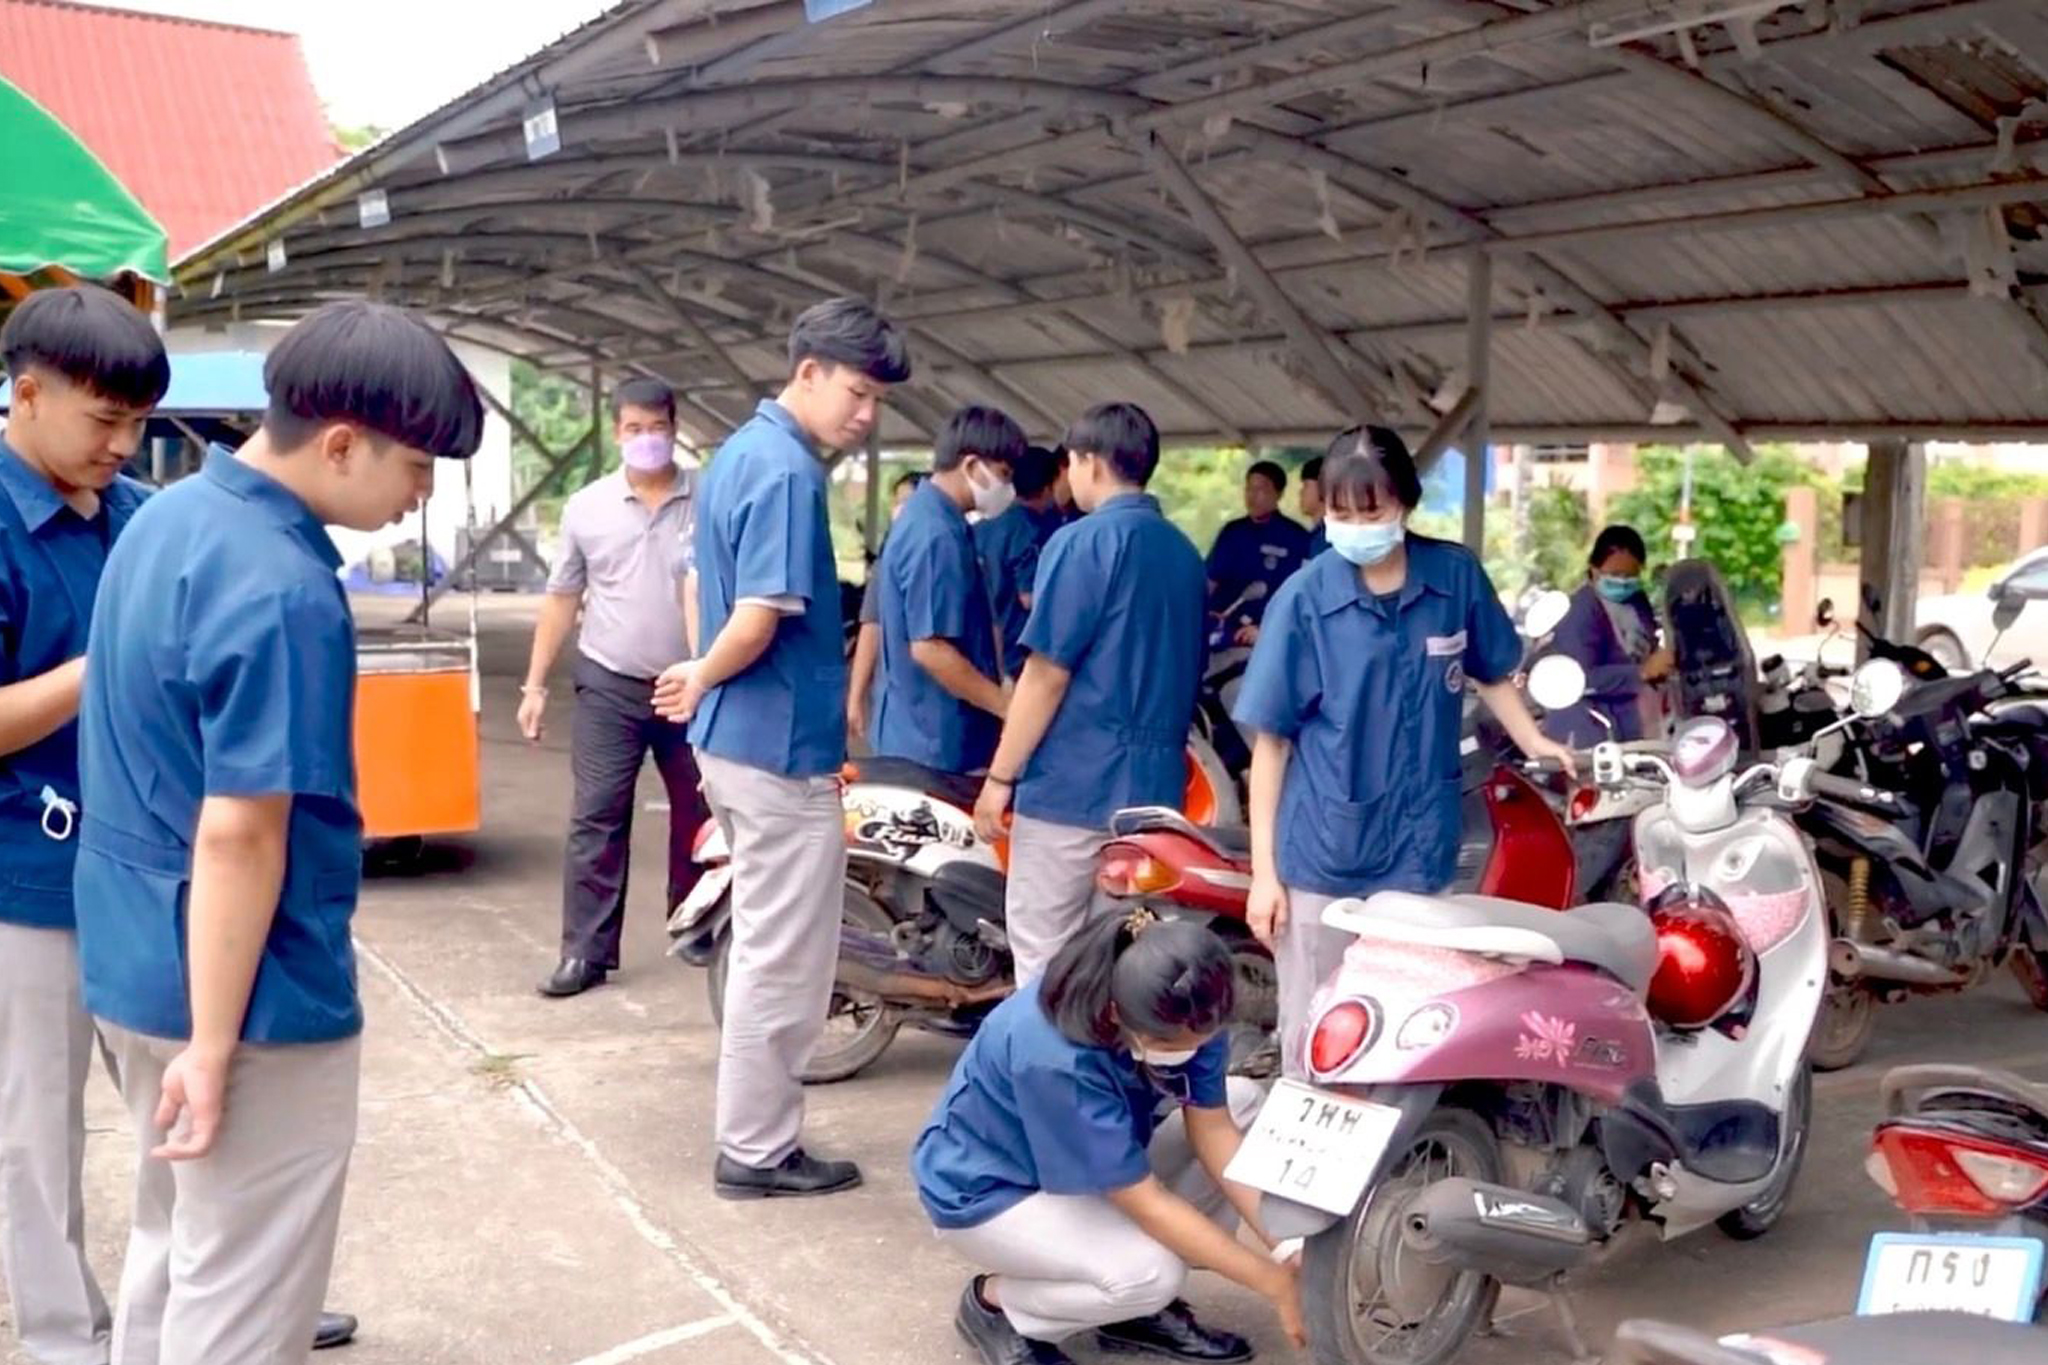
column 1584, row 799
column 1127, row 871
column 1937, row 1173
column 1344, row 1030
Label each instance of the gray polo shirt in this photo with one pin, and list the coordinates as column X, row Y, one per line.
column 628, row 564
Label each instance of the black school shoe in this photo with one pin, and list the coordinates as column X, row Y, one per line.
column 1174, row 1334
column 798, row 1177
column 994, row 1340
column 334, row 1329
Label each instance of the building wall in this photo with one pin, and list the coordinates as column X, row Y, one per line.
column 490, row 472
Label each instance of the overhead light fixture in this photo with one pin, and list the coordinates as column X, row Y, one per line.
column 1680, row 15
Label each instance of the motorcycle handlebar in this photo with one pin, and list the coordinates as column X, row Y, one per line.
column 1852, row 793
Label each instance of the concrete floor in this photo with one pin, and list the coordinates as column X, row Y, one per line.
column 532, row 1182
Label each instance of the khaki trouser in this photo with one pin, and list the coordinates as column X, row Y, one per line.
column 1068, row 1263
column 788, row 840
column 1051, row 890
column 46, row 1047
column 247, row 1230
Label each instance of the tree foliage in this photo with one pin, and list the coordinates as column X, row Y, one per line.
column 1737, row 508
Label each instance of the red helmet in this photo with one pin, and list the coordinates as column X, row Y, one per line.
column 1705, row 966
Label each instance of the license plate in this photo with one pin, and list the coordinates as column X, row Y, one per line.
column 1314, row 1147
column 702, row 897
column 1992, row 1277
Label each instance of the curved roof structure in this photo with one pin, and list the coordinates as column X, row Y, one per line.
column 1726, row 220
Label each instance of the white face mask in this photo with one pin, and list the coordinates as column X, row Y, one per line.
column 1164, row 1056
column 994, row 498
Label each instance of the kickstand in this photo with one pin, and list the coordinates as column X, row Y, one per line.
column 1568, row 1319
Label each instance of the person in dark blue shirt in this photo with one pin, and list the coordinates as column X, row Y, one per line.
column 1009, row 546
column 1611, row 630
column 942, row 696
column 867, row 644
column 85, row 369
column 1312, row 508
column 1047, row 1163
column 1263, row 546
column 1099, row 721
column 766, row 706
column 220, row 850
column 1356, row 693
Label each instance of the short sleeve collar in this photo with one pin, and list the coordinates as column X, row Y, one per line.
column 272, row 499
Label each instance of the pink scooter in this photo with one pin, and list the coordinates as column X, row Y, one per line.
column 1496, row 1091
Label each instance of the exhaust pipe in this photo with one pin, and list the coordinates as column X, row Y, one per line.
column 1866, row 961
column 867, row 964
column 1510, row 1234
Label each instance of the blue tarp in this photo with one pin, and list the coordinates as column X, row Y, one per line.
column 206, row 383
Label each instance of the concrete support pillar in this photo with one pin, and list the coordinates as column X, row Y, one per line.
column 1799, row 592
column 1894, row 538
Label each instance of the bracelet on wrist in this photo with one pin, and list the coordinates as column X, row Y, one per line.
column 1002, row 781
column 529, row 690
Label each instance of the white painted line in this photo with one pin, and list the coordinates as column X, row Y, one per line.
column 614, row 1180
column 655, row 1341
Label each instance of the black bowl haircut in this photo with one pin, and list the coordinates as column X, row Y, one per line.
column 1123, row 434
column 93, row 338
column 988, row 432
column 375, row 366
column 850, row 332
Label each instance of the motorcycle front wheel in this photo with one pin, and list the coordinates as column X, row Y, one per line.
column 1761, row 1214
column 859, row 1026
column 1371, row 1300
column 1848, row 1020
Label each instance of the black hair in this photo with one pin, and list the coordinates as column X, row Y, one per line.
column 1312, row 472
column 1271, row 472
column 1033, row 472
column 651, row 394
column 92, row 337
column 1366, row 464
column 1123, row 434
column 1138, row 974
column 988, row 432
column 1618, row 538
column 378, row 367
column 850, row 332
column 909, row 479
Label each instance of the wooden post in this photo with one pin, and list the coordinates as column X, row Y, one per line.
column 1478, row 368
column 1894, row 537
column 2033, row 526
column 1950, row 550
column 1798, row 593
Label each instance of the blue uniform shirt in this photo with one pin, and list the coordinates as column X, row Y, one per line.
column 1248, row 552
column 931, row 589
column 50, row 564
column 1030, row 1111
column 762, row 532
column 1118, row 604
column 1370, row 692
column 1009, row 547
column 222, row 663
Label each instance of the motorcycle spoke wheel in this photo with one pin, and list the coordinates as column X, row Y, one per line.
column 1848, row 1018
column 1255, row 1020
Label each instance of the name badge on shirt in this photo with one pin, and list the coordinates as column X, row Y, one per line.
column 1445, row 646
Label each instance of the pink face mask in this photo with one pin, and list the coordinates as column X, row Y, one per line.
column 650, row 453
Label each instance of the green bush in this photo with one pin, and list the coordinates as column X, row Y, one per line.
column 1737, row 509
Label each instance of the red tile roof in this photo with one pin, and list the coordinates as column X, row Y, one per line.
column 204, row 122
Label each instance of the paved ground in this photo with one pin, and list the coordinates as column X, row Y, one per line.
column 532, row 1185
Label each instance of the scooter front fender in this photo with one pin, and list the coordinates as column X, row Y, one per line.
column 1285, row 1219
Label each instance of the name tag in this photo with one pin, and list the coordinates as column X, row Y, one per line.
column 1445, row 646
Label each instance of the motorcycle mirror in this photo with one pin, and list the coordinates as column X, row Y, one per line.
column 1824, row 614
column 1876, row 688
column 1545, row 614
column 1557, row 682
column 2010, row 605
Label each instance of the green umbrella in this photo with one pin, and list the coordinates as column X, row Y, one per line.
column 63, row 208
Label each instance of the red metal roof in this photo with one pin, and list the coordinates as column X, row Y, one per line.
column 204, row 122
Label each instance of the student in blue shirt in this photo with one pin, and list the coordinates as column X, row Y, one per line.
column 942, row 698
column 1263, row 546
column 1047, row 1162
column 1356, row 692
column 1099, row 720
column 867, row 643
column 1312, row 508
column 220, row 849
column 766, row 705
column 1009, row 545
column 86, row 368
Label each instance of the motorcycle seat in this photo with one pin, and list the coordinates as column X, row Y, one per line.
column 956, row 789
column 1617, row 939
column 1232, row 843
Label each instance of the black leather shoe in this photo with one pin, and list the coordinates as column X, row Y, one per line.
column 335, row 1329
column 799, row 1176
column 994, row 1340
column 1175, row 1334
column 574, row 976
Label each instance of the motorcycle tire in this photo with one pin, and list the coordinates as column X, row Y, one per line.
column 1946, row 647
column 2030, row 965
column 1341, row 1290
column 1847, row 1022
column 1762, row 1213
column 858, row 1027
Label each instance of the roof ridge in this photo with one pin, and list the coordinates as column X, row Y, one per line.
column 192, row 21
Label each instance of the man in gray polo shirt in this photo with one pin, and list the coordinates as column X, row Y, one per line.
column 624, row 557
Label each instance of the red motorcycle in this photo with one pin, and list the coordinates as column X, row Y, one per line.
column 1514, row 847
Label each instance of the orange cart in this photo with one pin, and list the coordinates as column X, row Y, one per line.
column 416, row 735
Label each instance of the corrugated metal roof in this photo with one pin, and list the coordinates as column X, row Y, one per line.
column 204, row 123
column 1710, row 226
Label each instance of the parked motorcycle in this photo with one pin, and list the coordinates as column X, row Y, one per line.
column 1905, row 1339
column 922, row 938
column 1498, row 1091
